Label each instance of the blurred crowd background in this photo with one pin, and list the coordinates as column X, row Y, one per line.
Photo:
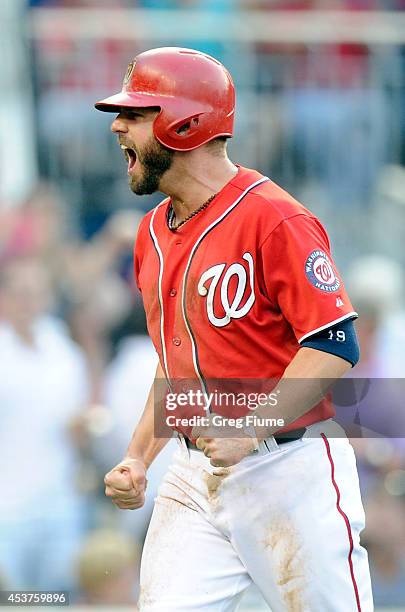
column 321, row 110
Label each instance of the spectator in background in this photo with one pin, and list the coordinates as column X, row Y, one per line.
column 43, row 383
column 384, row 538
column 376, row 284
column 108, row 569
column 97, row 296
column 92, row 279
column 334, row 118
column 36, row 228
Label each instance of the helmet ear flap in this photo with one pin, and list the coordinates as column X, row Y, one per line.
column 187, row 128
column 179, row 133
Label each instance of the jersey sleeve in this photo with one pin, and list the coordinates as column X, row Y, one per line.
column 139, row 249
column 301, row 279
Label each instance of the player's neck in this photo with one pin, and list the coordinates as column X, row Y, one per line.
column 192, row 181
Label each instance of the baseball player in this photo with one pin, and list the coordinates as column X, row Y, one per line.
column 238, row 283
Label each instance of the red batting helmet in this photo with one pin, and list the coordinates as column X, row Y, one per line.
column 194, row 91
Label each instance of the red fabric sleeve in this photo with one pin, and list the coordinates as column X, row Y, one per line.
column 301, row 278
column 139, row 248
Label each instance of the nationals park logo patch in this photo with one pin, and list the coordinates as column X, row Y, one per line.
column 320, row 272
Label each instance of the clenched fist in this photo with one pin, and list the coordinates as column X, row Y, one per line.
column 125, row 484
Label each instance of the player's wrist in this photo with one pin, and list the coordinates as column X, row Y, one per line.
column 250, row 433
column 132, row 460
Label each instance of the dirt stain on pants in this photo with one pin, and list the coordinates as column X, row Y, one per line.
column 282, row 542
column 213, row 482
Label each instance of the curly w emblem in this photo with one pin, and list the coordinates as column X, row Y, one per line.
column 232, row 309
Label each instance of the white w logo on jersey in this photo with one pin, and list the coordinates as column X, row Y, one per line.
column 232, row 311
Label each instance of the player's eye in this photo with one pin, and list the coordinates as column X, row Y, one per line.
column 129, row 114
column 134, row 115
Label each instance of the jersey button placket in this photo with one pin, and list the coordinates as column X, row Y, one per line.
column 173, row 292
column 176, row 341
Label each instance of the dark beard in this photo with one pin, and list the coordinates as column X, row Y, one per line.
column 156, row 160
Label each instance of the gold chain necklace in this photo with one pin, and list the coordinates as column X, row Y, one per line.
column 175, row 226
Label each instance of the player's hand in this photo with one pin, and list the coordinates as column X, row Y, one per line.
column 223, row 452
column 125, row 484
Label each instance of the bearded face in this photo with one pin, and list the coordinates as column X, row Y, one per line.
column 146, row 164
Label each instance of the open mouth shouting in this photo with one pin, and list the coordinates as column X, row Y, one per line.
column 130, row 156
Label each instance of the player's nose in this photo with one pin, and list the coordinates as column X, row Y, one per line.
column 119, row 125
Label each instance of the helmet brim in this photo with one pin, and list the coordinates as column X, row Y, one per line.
column 127, row 99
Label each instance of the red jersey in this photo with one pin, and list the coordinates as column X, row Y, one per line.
column 234, row 291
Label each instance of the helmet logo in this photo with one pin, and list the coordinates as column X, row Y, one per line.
column 129, row 72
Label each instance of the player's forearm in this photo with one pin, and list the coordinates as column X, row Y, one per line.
column 147, row 442
column 301, row 387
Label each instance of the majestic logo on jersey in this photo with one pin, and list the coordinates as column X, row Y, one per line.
column 232, row 306
column 320, row 272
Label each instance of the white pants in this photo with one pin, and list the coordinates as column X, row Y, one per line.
column 288, row 519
